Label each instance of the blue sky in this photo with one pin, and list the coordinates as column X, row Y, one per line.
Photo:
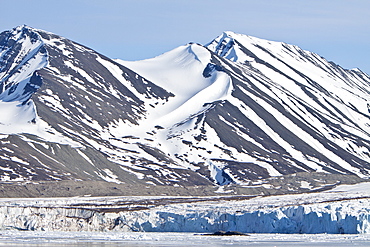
column 338, row 30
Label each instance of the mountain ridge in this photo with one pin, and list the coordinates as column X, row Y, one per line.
column 238, row 110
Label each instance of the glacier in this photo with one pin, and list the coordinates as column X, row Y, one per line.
column 343, row 210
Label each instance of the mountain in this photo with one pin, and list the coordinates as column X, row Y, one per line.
column 238, row 111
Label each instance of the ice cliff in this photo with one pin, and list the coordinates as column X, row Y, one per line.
column 326, row 212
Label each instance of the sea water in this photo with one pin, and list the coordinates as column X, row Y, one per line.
column 155, row 239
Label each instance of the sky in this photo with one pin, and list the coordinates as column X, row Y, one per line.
column 338, row 30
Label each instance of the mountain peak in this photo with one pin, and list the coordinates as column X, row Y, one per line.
column 22, row 27
column 234, row 46
column 18, row 48
column 21, row 31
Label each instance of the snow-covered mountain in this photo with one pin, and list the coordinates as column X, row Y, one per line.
column 238, row 110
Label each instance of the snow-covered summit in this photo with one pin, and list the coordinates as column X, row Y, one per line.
column 187, row 73
column 291, row 68
column 56, row 92
column 306, row 86
column 22, row 54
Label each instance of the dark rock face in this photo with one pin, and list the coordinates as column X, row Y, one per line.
column 283, row 111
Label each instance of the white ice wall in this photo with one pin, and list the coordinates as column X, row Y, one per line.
column 334, row 217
